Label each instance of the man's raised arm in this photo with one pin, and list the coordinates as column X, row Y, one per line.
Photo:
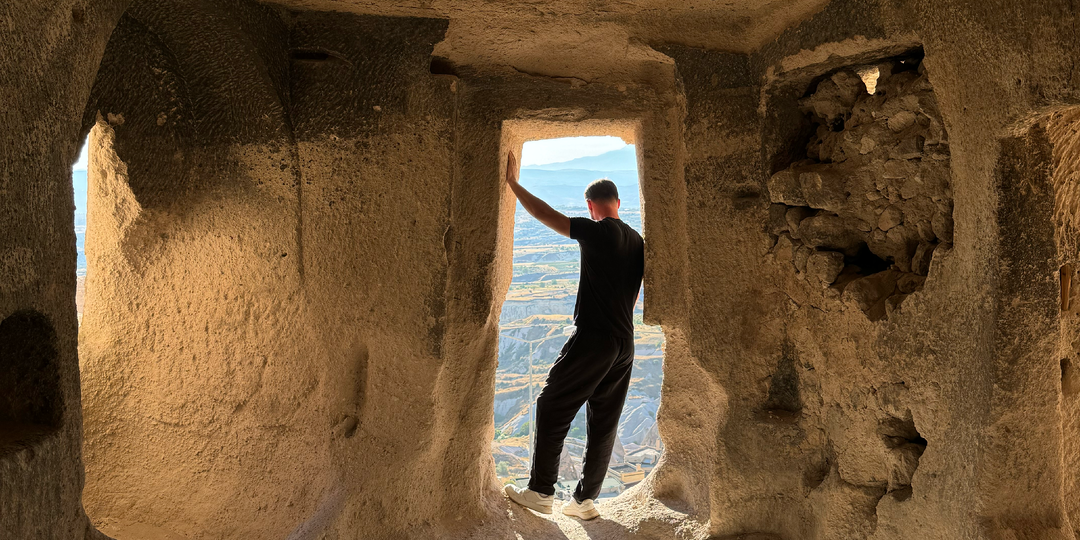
column 539, row 209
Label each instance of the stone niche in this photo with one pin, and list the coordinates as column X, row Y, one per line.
column 869, row 204
column 31, row 404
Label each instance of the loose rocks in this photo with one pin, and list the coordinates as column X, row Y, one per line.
column 784, row 188
column 869, row 293
column 830, row 232
column 874, row 188
column 890, row 217
column 824, row 266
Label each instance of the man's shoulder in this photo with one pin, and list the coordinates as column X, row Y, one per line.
column 630, row 230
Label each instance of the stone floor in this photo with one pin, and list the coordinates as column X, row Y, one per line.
column 628, row 516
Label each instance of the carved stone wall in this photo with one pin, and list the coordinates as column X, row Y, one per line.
column 865, row 211
column 299, row 246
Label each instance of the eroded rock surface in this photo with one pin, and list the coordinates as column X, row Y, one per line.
column 299, row 242
column 874, row 185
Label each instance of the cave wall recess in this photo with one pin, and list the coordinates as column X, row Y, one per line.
column 869, row 203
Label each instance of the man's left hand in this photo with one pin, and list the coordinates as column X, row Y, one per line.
column 511, row 168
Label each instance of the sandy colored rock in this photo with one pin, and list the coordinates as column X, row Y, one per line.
column 778, row 222
column 924, row 254
column 835, row 97
column 784, row 187
column 1070, row 378
column 829, row 232
column 909, row 283
column 901, row 120
column 823, row 190
column 802, row 255
column 794, row 216
column 300, row 242
column 824, row 266
column 869, row 293
column 942, row 225
column 785, row 248
column 890, row 217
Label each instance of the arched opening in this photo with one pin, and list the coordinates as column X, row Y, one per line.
column 174, row 233
column 537, row 317
column 224, row 373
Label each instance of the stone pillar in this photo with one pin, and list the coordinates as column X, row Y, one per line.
column 48, row 59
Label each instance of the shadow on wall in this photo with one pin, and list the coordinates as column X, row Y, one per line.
column 31, row 406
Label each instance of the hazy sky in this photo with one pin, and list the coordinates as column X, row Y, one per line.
column 534, row 152
column 567, row 148
column 80, row 165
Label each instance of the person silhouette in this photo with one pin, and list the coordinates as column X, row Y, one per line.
column 594, row 366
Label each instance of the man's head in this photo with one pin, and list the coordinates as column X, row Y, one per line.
column 603, row 199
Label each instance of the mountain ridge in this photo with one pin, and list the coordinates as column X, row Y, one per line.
column 623, row 159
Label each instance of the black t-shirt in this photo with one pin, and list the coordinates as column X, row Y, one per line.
column 612, row 264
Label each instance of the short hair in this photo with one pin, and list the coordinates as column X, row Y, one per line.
column 602, row 190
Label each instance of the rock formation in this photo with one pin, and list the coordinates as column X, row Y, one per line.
column 871, row 203
column 299, row 241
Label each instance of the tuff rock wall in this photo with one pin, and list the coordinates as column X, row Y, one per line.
column 230, row 202
column 50, row 55
column 300, row 242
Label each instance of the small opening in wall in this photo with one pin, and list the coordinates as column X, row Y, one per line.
column 442, row 66
column 81, row 186
column 1070, row 379
column 867, row 262
column 904, row 446
column 30, row 397
column 315, row 56
column 1065, row 275
column 869, row 76
column 538, row 312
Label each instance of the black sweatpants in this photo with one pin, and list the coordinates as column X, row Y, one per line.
column 593, row 369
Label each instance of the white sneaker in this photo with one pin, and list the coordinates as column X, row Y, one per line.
column 583, row 510
column 529, row 498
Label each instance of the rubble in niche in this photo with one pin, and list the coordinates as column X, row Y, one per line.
column 904, row 447
column 864, row 213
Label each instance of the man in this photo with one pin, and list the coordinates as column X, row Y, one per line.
column 594, row 366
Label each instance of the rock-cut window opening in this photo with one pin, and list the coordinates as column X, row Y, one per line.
column 538, row 312
column 81, row 187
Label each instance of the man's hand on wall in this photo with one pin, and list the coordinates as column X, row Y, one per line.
column 511, row 168
column 533, row 205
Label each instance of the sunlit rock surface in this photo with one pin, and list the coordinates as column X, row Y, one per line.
column 299, row 242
